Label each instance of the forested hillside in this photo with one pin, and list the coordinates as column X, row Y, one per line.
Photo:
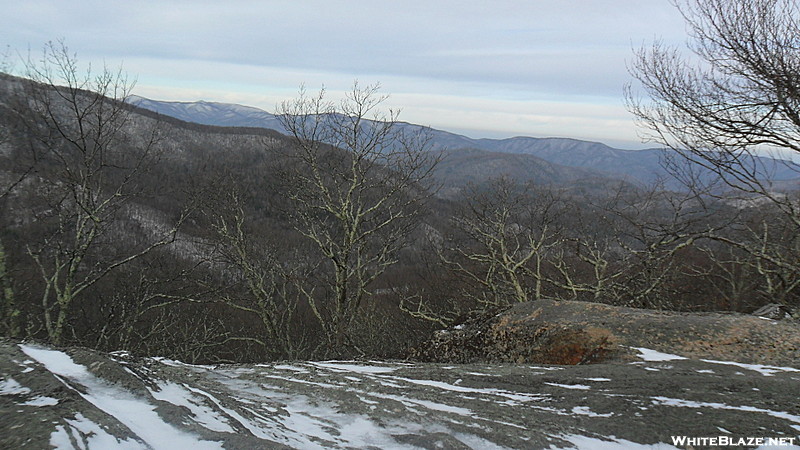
column 123, row 229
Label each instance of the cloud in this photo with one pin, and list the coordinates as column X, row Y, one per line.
column 537, row 53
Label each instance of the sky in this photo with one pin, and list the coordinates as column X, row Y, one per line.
column 480, row 68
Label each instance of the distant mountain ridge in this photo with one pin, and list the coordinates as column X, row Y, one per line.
column 641, row 166
column 211, row 113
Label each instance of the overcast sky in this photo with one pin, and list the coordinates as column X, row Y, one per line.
column 482, row 68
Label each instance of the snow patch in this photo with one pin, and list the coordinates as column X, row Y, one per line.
column 135, row 413
column 10, row 386
column 41, row 401
column 767, row 371
column 285, row 367
column 176, row 363
column 653, row 355
column 357, row 368
column 181, row 396
column 585, row 411
column 88, row 435
column 692, row 404
column 582, row 387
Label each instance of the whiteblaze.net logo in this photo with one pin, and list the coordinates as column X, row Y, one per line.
column 686, row 441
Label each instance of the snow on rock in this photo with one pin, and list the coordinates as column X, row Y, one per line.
column 651, row 355
column 11, row 386
column 357, row 368
column 692, row 404
column 83, row 430
column 570, row 386
column 135, row 413
column 41, row 401
column 77, row 398
column 194, row 400
column 762, row 369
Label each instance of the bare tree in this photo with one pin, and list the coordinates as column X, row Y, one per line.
column 734, row 100
column 650, row 228
column 737, row 96
column 771, row 244
column 619, row 250
column 270, row 285
column 510, row 230
column 89, row 175
column 194, row 338
column 358, row 181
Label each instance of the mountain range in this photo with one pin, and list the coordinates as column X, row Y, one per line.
column 544, row 160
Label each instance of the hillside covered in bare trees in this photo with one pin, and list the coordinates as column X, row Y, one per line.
column 351, row 235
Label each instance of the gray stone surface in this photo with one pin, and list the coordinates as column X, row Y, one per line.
column 74, row 397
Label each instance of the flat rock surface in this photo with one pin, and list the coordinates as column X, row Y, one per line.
column 77, row 398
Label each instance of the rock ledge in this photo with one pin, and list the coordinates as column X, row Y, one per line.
column 566, row 332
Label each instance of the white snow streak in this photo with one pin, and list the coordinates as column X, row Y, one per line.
column 585, row 411
column 655, row 356
column 135, row 413
column 181, row 396
column 41, row 401
column 767, row 371
column 10, row 386
column 581, row 387
column 88, row 435
column 691, row 404
column 338, row 366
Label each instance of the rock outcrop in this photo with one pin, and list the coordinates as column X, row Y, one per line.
column 564, row 332
column 658, row 376
column 79, row 398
